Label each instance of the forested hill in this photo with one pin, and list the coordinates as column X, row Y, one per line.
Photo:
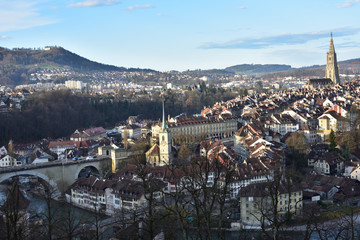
column 55, row 56
column 351, row 66
column 258, row 68
column 58, row 113
column 17, row 64
column 247, row 69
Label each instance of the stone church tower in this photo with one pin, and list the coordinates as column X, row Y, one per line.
column 164, row 142
column 332, row 68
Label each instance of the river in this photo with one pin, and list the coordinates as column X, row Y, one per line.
column 38, row 206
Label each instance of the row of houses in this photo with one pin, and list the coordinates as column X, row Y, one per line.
column 112, row 196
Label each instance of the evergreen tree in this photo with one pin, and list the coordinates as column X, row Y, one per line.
column 332, row 141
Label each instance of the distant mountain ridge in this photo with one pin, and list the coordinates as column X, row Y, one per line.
column 52, row 56
column 258, row 68
column 16, row 64
column 351, row 66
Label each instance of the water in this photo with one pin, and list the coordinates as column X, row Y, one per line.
column 80, row 216
column 62, row 211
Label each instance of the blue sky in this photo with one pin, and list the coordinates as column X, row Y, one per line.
column 180, row 35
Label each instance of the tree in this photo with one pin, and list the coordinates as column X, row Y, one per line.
column 332, row 140
column 298, row 148
column 150, row 211
column 275, row 202
column 206, row 187
column 177, row 205
column 184, row 152
column 297, row 143
column 51, row 215
column 14, row 213
column 69, row 225
column 259, row 84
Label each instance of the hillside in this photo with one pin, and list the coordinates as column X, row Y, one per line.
column 245, row 69
column 350, row 67
column 17, row 64
column 251, row 69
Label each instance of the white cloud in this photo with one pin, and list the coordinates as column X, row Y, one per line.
column 131, row 8
column 281, row 39
column 94, row 3
column 21, row 14
column 3, row 37
column 348, row 3
column 241, row 7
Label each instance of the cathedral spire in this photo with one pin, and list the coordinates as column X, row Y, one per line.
column 331, row 47
column 332, row 69
column 163, row 125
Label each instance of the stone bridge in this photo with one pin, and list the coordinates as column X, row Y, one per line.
column 58, row 175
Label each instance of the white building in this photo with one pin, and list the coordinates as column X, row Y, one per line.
column 355, row 174
column 112, row 196
column 75, row 84
column 8, row 161
column 283, row 124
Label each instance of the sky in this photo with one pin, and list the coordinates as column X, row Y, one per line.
column 179, row 35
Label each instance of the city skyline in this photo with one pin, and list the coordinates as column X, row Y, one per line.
column 185, row 35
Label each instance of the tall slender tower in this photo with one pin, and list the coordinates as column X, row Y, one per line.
column 164, row 141
column 332, row 68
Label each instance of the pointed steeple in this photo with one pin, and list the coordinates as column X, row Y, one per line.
column 163, row 125
column 332, row 69
column 331, row 47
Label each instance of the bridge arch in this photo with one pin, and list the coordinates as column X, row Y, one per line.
column 50, row 183
column 91, row 166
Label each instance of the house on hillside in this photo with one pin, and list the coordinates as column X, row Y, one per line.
column 88, row 134
column 330, row 163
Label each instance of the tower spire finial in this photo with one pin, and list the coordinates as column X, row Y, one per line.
column 331, row 47
column 163, row 125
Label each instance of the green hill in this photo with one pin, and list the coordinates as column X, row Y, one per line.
column 251, row 69
column 17, row 64
column 56, row 56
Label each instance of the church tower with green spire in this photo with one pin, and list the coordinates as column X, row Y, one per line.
column 332, row 68
column 164, row 141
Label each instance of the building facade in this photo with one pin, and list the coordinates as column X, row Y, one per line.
column 258, row 202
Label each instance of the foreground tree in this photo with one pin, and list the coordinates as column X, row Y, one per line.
column 271, row 204
column 332, row 141
column 15, row 215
